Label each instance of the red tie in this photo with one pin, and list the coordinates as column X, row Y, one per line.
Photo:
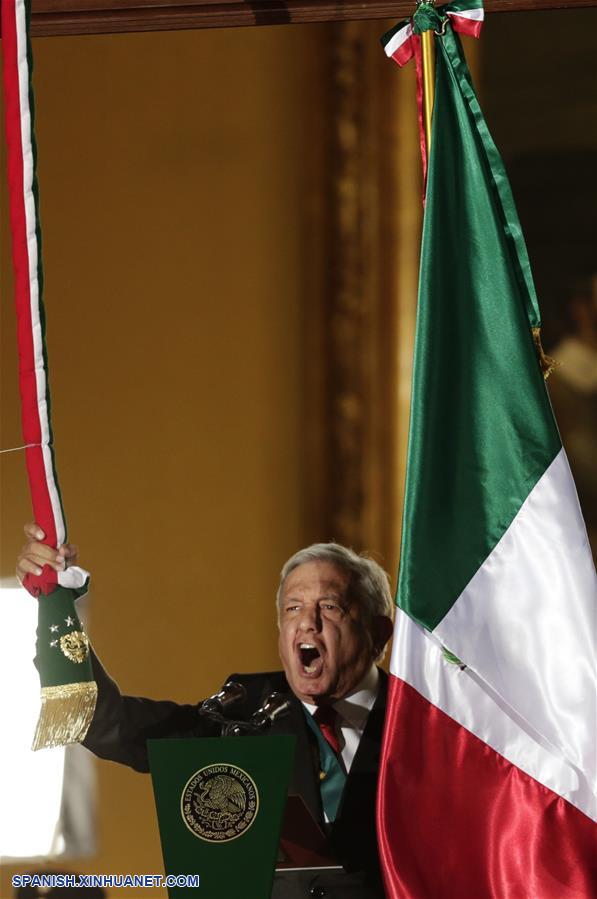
column 326, row 717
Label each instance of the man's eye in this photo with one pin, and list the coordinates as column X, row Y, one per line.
column 291, row 608
column 332, row 607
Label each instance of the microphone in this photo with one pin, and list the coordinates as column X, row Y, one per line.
column 275, row 706
column 217, row 704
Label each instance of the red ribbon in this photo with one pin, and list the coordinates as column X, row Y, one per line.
column 418, row 54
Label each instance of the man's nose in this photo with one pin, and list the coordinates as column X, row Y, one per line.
column 310, row 618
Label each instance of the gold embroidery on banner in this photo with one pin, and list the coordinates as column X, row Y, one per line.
column 75, row 646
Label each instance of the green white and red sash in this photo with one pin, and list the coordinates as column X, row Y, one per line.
column 488, row 780
column 27, row 263
column 68, row 690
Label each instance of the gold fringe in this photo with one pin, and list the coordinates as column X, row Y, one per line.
column 65, row 715
column 547, row 363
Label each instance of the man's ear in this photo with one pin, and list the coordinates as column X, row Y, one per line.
column 381, row 629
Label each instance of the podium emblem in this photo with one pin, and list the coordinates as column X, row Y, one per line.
column 219, row 803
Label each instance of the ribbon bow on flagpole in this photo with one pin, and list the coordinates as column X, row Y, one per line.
column 403, row 42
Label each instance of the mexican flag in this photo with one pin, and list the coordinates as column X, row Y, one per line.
column 487, row 785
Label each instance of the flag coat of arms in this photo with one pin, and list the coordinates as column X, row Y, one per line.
column 487, row 784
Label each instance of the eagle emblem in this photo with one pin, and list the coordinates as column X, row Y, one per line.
column 75, row 646
column 219, row 803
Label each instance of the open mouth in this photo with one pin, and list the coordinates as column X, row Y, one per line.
column 310, row 659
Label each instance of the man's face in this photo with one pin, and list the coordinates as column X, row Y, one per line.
column 325, row 641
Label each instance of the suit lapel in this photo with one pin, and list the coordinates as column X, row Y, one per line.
column 367, row 756
column 362, row 778
column 304, row 779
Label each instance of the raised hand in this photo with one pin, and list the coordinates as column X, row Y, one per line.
column 35, row 554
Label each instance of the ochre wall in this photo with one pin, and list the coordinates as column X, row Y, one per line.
column 172, row 180
column 179, row 231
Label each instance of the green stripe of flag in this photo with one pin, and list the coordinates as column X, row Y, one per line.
column 482, row 431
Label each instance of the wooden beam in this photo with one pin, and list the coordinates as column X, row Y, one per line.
column 61, row 17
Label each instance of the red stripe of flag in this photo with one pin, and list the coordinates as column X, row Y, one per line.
column 464, row 822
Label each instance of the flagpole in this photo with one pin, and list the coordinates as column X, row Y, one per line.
column 428, row 56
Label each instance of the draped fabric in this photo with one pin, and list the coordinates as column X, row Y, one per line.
column 68, row 689
column 465, row 822
column 487, row 783
column 28, row 279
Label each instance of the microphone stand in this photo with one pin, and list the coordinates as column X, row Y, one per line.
column 275, row 706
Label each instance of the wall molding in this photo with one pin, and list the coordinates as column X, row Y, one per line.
column 64, row 17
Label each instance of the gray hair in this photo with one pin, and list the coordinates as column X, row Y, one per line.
column 369, row 583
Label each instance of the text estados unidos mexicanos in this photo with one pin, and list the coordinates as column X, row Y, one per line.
column 107, row 881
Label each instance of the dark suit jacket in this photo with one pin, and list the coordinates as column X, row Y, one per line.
column 122, row 724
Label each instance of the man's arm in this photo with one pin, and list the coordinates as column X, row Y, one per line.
column 121, row 724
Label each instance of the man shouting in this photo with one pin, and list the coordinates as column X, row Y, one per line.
column 335, row 617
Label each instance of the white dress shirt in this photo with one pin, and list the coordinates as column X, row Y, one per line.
column 353, row 711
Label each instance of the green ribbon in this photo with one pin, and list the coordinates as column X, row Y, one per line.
column 426, row 18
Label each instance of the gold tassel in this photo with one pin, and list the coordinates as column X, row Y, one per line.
column 65, row 715
column 547, row 363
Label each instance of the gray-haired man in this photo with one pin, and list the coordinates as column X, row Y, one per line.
column 334, row 614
